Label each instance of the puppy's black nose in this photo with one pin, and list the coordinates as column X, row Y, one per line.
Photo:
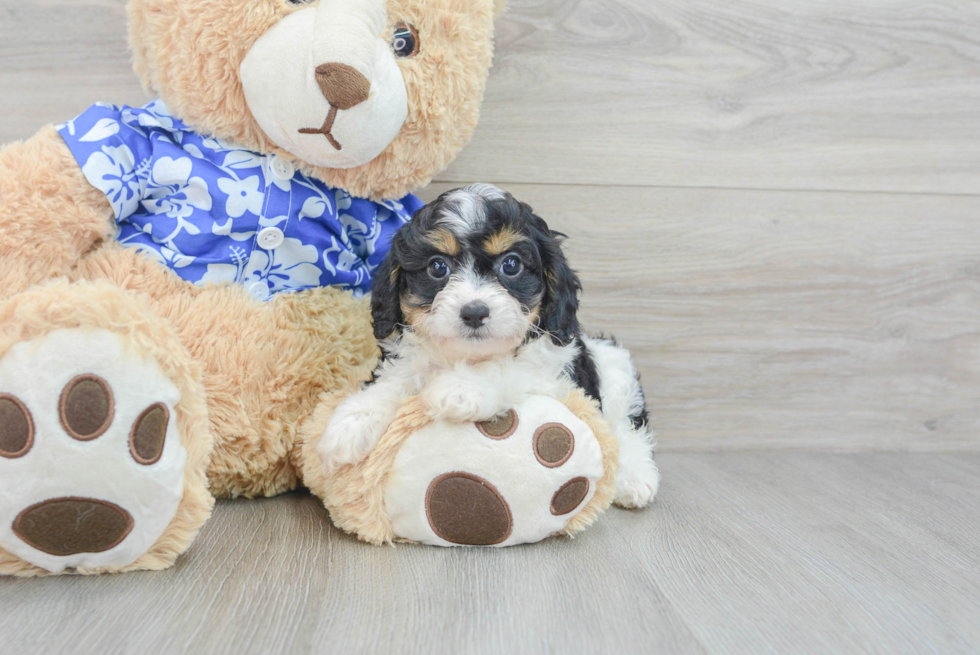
column 473, row 314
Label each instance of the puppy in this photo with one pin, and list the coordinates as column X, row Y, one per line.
column 476, row 306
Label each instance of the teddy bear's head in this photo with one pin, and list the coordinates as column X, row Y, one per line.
column 372, row 96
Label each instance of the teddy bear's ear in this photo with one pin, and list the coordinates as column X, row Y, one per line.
column 499, row 7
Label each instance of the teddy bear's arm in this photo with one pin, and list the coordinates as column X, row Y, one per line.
column 50, row 216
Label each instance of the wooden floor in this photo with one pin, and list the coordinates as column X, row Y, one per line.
column 744, row 553
column 773, row 204
column 776, row 206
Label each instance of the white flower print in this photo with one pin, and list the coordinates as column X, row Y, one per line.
column 102, row 130
column 226, row 273
column 224, row 230
column 112, row 170
column 195, row 204
column 315, row 207
column 290, row 266
column 343, row 200
column 362, row 237
column 172, row 191
column 241, row 159
column 154, row 116
column 175, row 258
column 219, row 274
column 166, row 256
column 243, row 195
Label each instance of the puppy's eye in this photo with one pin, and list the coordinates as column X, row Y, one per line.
column 405, row 40
column 511, row 266
column 438, row 269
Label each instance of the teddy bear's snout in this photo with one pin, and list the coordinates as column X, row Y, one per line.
column 343, row 86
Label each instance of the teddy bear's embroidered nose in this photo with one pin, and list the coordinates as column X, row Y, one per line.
column 343, row 86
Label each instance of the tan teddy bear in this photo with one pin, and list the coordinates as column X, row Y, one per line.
column 182, row 283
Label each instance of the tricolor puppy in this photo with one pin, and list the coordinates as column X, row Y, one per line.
column 476, row 306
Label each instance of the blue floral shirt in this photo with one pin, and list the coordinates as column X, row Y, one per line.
column 214, row 213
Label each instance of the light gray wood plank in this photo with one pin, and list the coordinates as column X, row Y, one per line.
column 754, row 553
column 57, row 58
column 819, row 553
column 799, row 94
column 785, row 319
column 817, row 94
column 272, row 576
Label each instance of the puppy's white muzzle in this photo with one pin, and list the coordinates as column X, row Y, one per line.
column 289, row 99
column 501, row 330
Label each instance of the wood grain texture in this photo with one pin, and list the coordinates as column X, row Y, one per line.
column 785, row 319
column 798, row 94
column 752, row 553
column 810, row 94
column 58, row 57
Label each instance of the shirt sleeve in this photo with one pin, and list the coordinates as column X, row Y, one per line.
column 113, row 155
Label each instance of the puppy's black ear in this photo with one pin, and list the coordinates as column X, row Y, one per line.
column 386, row 310
column 558, row 314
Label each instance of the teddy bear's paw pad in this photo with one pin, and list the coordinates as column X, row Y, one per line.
column 517, row 478
column 85, row 407
column 466, row 509
column 91, row 464
column 570, row 496
column 553, row 444
column 16, row 428
column 499, row 427
column 65, row 526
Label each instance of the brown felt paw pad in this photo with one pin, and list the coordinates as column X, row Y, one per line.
column 70, row 525
column 86, row 407
column 553, row 444
column 65, row 526
column 149, row 433
column 571, row 494
column 499, row 427
column 466, row 509
column 517, row 478
column 16, row 427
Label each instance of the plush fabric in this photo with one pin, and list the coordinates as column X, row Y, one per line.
column 355, row 495
column 356, row 114
column 263, row 365
column 61, row 305
column 190, row 54
column 200, row 390
column 206, row 209
column 50, row 216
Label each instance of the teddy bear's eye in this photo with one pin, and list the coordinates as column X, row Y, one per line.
column 405, row 40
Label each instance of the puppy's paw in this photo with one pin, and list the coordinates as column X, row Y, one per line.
column 349, row 437
column 636, row 486
column 459, row 399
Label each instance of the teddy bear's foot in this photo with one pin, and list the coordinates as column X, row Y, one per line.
column 91, row 463
column 518, row 478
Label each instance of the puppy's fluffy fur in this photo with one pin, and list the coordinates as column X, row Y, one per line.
column 476, row 307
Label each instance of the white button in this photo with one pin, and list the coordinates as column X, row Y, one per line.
column 282, row 168
column 270, row 238
column 259, row 290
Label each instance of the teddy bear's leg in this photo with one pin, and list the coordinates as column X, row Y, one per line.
column 104, row 435
column 50, row 216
